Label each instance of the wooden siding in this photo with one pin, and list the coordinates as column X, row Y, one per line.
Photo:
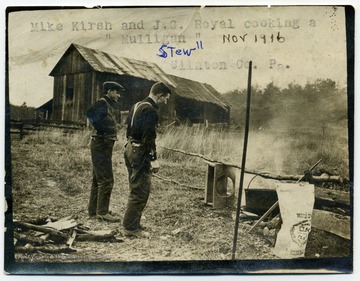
column 82, row 97
column 87, row 89
column 71, row 63
column 212, row 114
column 71, row 97
column 189, row 111
column 67, row 107
column 58, row 97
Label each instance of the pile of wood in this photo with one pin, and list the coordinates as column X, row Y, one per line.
column 55, row 236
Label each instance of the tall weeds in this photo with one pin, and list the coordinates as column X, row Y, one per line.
column 287, row 152
column 66, row 156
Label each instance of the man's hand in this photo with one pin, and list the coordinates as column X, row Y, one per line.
column 155, row 166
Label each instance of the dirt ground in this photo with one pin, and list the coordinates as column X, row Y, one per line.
column 182, row 227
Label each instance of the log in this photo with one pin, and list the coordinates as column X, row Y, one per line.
column 29, row 239
column 335, row 198
column 45, row 249
column 259, row 200
column 44, row 229
column 90, row 237
column 266, row 175
column 317, row 179
column 34, row 220
column 95, row 232
column 99, row 235
column 248, row 215
column 333, row 223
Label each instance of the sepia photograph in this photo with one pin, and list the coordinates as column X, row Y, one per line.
column 179, row 139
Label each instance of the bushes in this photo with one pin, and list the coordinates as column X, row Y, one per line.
column 316, row 104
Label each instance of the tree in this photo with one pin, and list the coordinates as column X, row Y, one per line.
column 315, row 105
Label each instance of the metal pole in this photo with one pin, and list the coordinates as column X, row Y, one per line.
column 246, row 134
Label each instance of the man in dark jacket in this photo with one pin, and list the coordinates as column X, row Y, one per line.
column 101, row 116
column 140, row 155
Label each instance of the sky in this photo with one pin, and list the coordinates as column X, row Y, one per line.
column 290, row 44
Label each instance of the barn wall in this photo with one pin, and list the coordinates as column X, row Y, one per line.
column 94, row 90
column 59, row 82
column 68, row 103
column 75, row 93
column 71, row 63
column 199, row 112
column 87, row 88
column 167, row 113
column 71, row 97
column 188, row 110
column 215, row 114
column 83, row 95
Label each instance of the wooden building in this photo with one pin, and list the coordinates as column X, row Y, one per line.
column 80, row 73
column 44, row 111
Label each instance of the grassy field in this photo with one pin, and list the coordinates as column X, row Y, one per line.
column 285, row 151
column 51, row 174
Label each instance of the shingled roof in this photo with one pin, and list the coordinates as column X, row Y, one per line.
column 194, row 90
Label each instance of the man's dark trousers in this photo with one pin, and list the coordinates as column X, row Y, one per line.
column 103, row 179
column 138, row 164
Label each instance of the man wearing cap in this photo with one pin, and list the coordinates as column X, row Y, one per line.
column 140, row 155
column 101, row 116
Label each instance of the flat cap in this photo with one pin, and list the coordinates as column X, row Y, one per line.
column 110, row 85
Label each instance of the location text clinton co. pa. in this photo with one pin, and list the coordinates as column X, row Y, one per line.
column 199, row 65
